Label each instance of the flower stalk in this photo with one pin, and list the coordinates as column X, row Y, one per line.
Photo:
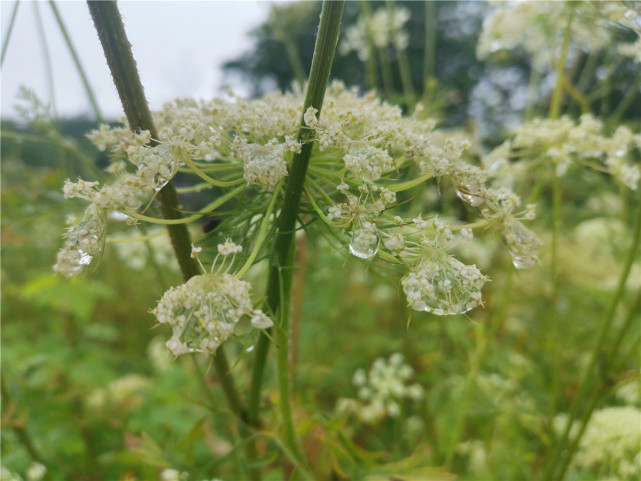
column 281, row 268
column 563, row 453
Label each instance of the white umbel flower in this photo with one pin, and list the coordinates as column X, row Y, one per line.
column 84, row 243
column 263, row 164
column 205, row 311
column 442, row 285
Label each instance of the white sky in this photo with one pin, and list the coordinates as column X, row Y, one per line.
column 179, row 47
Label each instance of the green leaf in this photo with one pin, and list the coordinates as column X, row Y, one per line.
column 75, row 296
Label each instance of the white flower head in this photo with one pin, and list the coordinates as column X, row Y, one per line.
column 84, row 243
column 205, row 311
column 442, row 285
column 263, row 164
column 367, row 163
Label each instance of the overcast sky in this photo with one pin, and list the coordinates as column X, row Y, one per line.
column 179, row 47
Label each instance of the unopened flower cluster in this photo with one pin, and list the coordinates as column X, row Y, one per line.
column 380, row 30
column 382, row 391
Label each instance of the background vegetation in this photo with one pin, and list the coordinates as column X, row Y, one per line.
column 89, row 391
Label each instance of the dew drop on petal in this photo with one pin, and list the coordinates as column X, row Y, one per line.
column 472, row 199
column 523, row 261
column 85, row 259
column 365, row 241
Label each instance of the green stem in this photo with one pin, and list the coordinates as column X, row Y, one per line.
column 47, row 59
column 370, row 63
column 633, row 316
column 262, row 232
column 429, row 57
column 557, row 194
column 281, row 269
column 117, row 48
column 76, row 60
column 626, row 101
column 388, row 83
column 5, row 42
column 533, row 89
column 485, row 338
column 590, row 373
column 557, row 96
column 403, row 62
column 554, row 282
column 290, row 45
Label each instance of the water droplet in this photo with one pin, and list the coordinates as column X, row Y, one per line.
column 118, row 216
column 85, row 259
column 523, row 261
column 164, row 175
column 473, row 199
column 522, row 244
column 365, row 240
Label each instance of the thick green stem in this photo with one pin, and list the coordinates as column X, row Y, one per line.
column 76, row 61
column 281, row 268
column 5, row 41
column 117, row 48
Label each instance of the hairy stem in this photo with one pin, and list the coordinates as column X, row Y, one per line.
column 281, row 268
column 117, row 48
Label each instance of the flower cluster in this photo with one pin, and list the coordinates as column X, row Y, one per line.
column 208, row 309
column 365, row 155
column 610, row 443
column 539, row 27
column 383, row 28
column 382, row 390
column 378, row 147
column 443, row 285
column 564, row 141
column 84, row 243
